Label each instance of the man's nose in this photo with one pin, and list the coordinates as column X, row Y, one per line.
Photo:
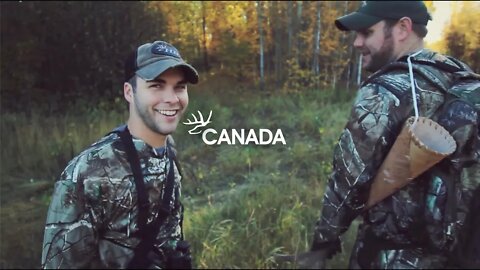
column 170, row 96
column 358, row 42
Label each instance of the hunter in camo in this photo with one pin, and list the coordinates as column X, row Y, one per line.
column 412, row 217
column 407, row 229
column 92, row 220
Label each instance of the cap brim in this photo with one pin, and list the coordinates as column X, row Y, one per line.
column 356, row 21
column 153, row 70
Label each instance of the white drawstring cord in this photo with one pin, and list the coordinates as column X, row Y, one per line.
column 412, row 84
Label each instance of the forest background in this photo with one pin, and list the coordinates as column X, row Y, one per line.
column 263, row 64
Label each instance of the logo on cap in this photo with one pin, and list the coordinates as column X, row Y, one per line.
column 165, row 49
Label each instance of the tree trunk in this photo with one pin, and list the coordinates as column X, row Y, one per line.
column 298, row 29
column 290, row 22
column 278, row 44
column 260, row 34
column 204, row 29
column 316, row 42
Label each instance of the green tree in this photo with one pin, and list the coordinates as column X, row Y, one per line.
column 55, row 54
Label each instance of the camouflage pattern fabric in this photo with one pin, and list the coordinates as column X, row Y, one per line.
column 411, row 220
column 92, row 218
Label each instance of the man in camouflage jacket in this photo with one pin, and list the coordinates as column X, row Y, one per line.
column 405, row 230
column 92, row 218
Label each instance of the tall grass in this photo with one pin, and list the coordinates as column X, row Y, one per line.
column 244, row 203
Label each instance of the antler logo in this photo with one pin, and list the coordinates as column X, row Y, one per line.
column 198, row 123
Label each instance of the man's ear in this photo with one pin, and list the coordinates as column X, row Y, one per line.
column 404, row 28
column 128, row 92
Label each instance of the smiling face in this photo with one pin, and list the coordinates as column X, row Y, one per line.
column 376, row 45
column 157, row 106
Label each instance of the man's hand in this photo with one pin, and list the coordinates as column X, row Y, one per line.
column 306, row 260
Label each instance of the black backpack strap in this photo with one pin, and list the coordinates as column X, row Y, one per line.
column 172, row 156
column 140, row 259
column 134, row 161
column 173, row 153
column 148, row 232
column 447, row 171
column 460, row 64
column 167, row 196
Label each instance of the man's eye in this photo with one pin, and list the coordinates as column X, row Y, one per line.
column 181, row 87
column 366, row 32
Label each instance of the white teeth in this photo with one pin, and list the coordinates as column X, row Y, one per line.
column 167, row 112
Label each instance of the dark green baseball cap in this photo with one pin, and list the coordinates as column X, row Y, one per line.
column 152, row 59
column 372, row 12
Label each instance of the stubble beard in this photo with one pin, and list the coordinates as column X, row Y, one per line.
column 383, row 57
column 148, row 119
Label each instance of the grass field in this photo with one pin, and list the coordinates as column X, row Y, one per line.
column 244, row 203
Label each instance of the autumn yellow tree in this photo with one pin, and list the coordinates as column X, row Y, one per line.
column 183, row 23
column 301, row 47
column 462, row 35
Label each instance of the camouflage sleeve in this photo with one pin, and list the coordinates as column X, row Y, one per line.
column 69, row 240
column 374, row 121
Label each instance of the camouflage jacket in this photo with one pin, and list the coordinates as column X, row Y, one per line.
column 408, row 216
column 92, row 218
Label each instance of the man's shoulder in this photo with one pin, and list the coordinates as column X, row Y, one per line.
column 399, row 75
column 388, row 74
column 447, row 59
column 396, row 81
column 105, row 145
column 396, row 74
column 103, row 151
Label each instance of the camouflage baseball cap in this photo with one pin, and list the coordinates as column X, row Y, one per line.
column 152, row 59
column 371, row 12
